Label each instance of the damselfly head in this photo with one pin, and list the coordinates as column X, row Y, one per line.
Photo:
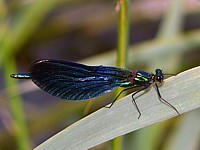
column 159, row 77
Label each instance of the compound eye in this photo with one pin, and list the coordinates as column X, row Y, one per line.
column 159, row 78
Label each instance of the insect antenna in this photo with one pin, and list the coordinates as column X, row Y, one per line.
column 169, row 74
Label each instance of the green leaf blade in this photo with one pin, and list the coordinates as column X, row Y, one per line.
column 182, row 91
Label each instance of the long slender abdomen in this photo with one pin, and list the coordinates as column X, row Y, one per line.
column 20, row 76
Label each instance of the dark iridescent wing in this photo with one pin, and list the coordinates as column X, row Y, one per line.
column 74, row 81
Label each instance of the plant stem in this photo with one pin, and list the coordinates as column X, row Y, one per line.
column 15, row 103
column 122, row 48
column 123, row 33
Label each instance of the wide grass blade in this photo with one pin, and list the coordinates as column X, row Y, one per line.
column 182, row 91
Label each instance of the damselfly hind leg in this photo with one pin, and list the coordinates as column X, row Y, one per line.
column 111, row 104
column 133, row 99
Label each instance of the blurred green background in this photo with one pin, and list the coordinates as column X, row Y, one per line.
column 163, row 34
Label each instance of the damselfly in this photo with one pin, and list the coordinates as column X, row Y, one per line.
column 73, row 81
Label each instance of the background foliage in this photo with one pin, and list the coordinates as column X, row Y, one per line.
column 162, row 35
